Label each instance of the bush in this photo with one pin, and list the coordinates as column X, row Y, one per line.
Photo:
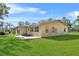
column 2, row 33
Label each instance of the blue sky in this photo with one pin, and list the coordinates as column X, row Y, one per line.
column 34, row 12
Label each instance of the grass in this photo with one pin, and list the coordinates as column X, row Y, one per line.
column 63, row 45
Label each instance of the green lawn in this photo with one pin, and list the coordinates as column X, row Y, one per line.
column 64, row 45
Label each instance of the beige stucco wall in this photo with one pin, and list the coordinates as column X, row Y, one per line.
column 23, row 30
column 59, row 29
column 36, row 33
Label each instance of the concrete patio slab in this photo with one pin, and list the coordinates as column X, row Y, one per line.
column 28, row 37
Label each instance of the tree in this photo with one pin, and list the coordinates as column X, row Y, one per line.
column 4, row 11
column 8, row 27
column 21, row 23
column 50, row 19
column 77, row 18
column 67, row 21
column 27, row 23
column 42, row 21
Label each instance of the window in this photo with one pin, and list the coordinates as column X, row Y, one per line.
column 64, row 29
column 46, row 30
column 36, row 29
column 31, row 29
column 53, row 29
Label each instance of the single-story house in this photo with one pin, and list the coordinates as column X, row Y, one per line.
column 43, row 29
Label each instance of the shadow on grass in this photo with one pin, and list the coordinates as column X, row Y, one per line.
column 13, row 47
column 21, row 44
column 63, row 37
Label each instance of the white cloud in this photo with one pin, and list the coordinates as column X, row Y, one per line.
column 73, row 14
column 17, row 19
column 18, row 9
column 15, row 8
column 42, row 12
column 31, row 9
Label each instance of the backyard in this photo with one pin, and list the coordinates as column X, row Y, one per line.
column 64, row 45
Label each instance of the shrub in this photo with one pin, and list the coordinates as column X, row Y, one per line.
column 2, row 33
